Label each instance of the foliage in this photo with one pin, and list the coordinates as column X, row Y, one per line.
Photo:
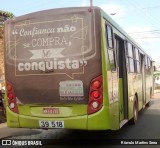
column 156, row 75
column 4, row 16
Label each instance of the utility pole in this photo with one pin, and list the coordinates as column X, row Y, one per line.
column 91, row 5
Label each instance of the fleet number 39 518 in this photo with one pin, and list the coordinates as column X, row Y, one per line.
column 51, row 124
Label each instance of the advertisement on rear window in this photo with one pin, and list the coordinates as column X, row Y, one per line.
column 54, row 52
column 49, row 46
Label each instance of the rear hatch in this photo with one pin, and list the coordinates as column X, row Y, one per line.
column 50, row 59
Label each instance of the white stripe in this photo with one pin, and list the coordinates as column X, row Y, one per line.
column 46, row 53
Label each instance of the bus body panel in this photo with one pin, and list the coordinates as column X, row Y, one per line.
column 77, row 122
column 100, row 119
column 12, row 118
column 134, row 88
column 53, row 110
column 149, row 83
column 134, row 80
column 110, row 84
column 84, row 122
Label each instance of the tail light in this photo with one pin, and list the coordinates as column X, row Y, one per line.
column 12, row 102
column 95, row 95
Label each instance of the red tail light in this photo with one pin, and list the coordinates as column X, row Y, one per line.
column 95, row 95
column 10, row 96
column 12, row 102
column 9, row 87
column 96, row 84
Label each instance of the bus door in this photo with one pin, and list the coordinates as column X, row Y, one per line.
column 123, row 88
column 143, row 79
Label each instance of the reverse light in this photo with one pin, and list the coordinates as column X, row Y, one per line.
column 95, row 104
column 12, row 105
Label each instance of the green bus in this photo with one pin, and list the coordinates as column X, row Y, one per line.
column 73, row 68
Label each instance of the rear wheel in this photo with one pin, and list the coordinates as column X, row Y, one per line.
column 151, row 93
column 135, row 112
column 149, row 103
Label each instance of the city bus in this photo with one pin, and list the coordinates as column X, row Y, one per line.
column 73, row 68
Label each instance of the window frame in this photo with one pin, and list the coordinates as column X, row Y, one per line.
column 108, row 38
column 149, row 62
column 137, row 60
column 110, row 49
column 130, row 57
column 146, row 62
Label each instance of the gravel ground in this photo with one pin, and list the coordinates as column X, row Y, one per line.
column 156, row 94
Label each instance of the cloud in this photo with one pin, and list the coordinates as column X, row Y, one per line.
column 147, row 39
column 142, row 34
column 113, row 8
column 84, row 3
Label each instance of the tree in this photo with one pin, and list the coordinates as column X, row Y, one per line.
column 3, row 17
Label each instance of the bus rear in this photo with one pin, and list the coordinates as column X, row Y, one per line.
column 53, row 69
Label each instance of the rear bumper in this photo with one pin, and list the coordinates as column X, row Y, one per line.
column 97, row 121
column 79, row 122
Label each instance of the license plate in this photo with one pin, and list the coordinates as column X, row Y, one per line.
column 51, row 124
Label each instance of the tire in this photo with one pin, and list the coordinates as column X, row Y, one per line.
column 151, row 92
column 149, row 103
column 135, row 112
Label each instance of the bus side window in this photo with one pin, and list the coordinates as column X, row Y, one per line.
column 149, row 63
column 110, row 45
column 137, row 60
column 109, row 36
column 146, row 62
column 130, row 58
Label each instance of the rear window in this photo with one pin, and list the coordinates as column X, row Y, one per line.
column 52, row 45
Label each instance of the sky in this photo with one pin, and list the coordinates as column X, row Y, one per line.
column 139, row 18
